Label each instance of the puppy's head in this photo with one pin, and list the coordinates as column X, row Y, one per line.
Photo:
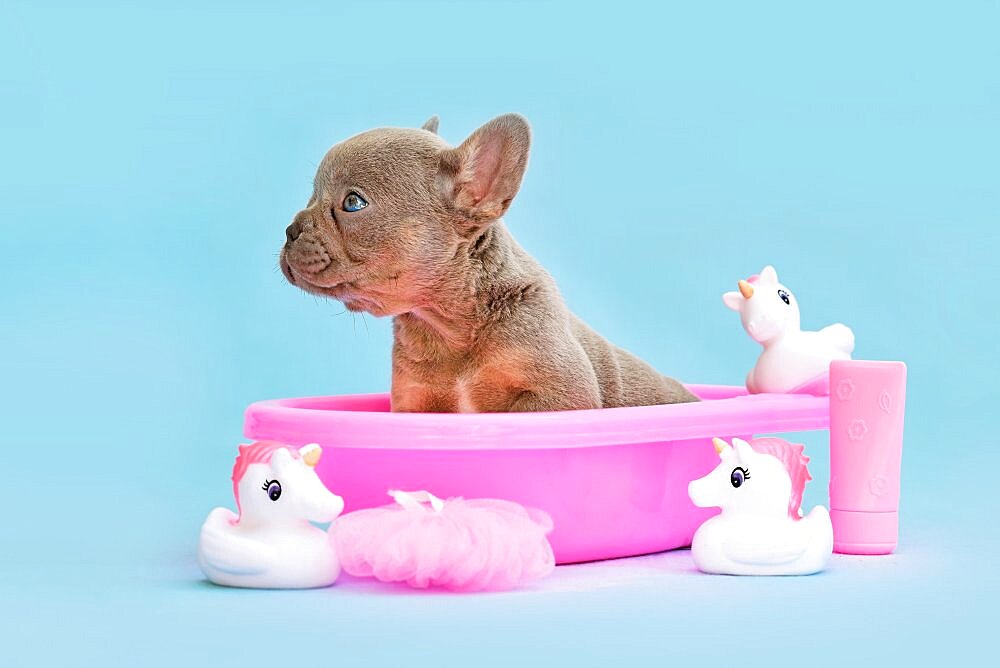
column 391, row 207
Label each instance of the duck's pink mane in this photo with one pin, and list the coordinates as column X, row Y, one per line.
column 258, row 452
column 794, row 459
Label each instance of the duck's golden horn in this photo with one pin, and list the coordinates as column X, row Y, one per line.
column 745, row 289
column 311, row 454
column 720, row 445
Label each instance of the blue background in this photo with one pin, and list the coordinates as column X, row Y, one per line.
column 151, row 158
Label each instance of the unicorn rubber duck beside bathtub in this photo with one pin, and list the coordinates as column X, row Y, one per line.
column 760, row 531
column 271, row 542
column 792, row 360
column 459, row 544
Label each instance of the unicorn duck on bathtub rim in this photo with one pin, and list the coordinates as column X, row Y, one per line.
column 792, row 360
column 270, row 543
column 761, row 530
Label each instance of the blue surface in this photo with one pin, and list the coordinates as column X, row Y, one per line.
column 153, row 156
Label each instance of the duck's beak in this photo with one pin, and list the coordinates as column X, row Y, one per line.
column 327, row 509
column 699, row 491
column 745, row 289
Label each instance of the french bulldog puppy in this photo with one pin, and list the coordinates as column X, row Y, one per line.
column 401, row 224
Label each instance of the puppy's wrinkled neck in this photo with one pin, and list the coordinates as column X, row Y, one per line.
column 487, row 275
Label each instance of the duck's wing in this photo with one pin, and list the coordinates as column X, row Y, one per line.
column 224, row 550
column 767, row 548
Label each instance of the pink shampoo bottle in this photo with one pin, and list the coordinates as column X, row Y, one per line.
column 867, row 401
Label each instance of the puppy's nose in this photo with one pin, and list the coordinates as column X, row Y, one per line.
column 293, row 231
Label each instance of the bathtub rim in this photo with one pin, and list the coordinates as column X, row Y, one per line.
column 726, row 409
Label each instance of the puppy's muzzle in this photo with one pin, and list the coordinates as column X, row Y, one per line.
column 304, row 255
column 307, row 255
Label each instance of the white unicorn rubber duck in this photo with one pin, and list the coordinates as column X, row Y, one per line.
column 792, row 360
column 271, row 543
column 760, row 531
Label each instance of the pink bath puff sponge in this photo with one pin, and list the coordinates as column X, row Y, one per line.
column 463, row 545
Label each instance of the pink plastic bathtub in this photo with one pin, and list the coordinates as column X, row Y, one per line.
column 614, row 480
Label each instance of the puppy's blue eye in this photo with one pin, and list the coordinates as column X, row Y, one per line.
column 354, row 202
column 784, row 297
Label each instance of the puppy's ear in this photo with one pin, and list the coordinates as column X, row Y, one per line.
column 481, row 177
column 431, row 125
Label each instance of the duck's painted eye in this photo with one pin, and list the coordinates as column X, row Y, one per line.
column 784, row 297
column 739, row 476
column 273, row 489
column 354, row 202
